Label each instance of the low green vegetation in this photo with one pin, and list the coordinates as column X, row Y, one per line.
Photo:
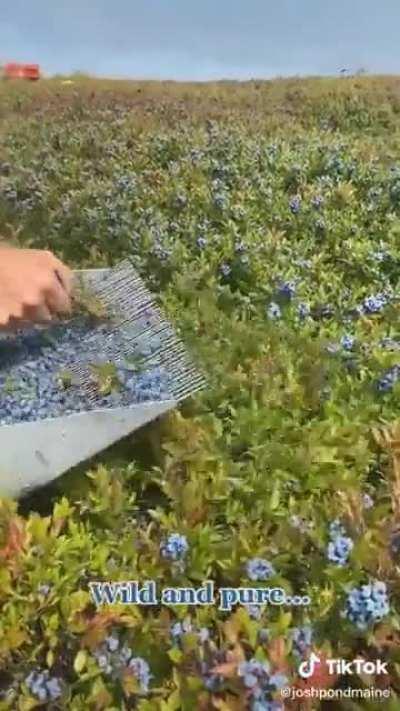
column 266, row 219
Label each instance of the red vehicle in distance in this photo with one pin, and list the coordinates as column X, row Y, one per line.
column 13, row 70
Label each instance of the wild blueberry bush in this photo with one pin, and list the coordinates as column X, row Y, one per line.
column 267, row 218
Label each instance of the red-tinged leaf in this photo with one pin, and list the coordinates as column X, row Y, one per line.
column 102, row 700
column 229, row 703
column 203, row 702
column 236, row 654
column 97, row 626
column 15, row 542
column 227, row 670
column 130, row 683
column 386, row 637
column 277, row 652
column 16, row 538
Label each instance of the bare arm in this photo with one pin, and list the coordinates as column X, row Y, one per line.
column 34, row 287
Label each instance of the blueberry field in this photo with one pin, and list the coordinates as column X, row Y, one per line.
column 265, row 217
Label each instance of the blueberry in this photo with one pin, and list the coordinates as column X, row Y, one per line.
column 32, row 361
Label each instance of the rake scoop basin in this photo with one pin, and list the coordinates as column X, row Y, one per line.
column 48, row 426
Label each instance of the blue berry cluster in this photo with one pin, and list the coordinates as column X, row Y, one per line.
column 179, row 629
column 274, row 311
column 389, row 379
column 367, row 501
column 196, row 155
column 113, row 658
column 212, row 682
column 150, row 385
column 381, row 255
column 225, row 269
column 394, row 545
column 180, row 201
column 266, row 705
column 286, row 290
column 43, row 686
column 347, row 342
column 44, row 589
column 175, row 547
column 303, row 311
column 261, row 684
column 374, row 304
column 367, row 604
column 255, row 612
column 339, row 550
column 340, row 545
column 201, row 242
column 259, row 569
column 389, row 344
column 302, row 639
column 162, row 253
column 264, row 635
column 126, row 183
column 317, row 201
column 141, row 670
column 295, row 204
column 220, row 200
column 31, row 363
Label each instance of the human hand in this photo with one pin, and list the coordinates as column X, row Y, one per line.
column 35, row 287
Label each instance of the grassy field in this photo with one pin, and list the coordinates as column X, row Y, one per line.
column 266, row 218
column 351, row 102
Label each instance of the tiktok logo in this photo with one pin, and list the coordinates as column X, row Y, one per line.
column 341, row 666
column 307, row 668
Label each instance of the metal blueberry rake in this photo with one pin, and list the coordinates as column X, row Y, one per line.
column 35, row 451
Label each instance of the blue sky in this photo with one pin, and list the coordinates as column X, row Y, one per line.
column 206, row 39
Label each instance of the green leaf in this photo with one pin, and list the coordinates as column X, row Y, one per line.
column 80, row 661
column 175, row 655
